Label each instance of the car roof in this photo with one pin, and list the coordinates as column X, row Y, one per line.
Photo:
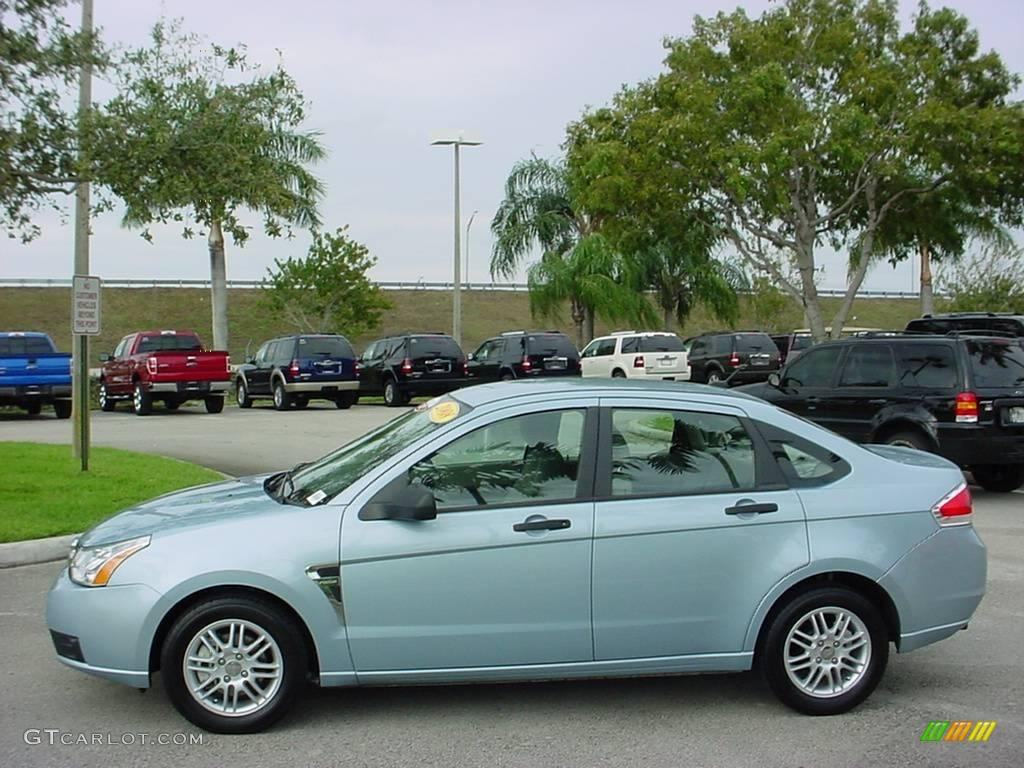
column 165, row 332
column 484, row 394
column 24, row 334
column 626, row 334
column 971, row 315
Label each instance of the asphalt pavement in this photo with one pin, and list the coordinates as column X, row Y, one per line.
column 54, row 716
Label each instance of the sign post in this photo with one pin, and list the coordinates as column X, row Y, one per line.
column 85, row 322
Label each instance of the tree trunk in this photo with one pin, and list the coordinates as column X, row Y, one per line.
column 666, row 318
column 578, row 316
column 588, row 328
column 927, row 295
column 808, row 288
column 218, row 286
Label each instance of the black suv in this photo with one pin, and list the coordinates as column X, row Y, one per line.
column 411, row 364
column 524, row 355
column 960, row 396
column 738, row 357
column 1000, row 323
column 292, row 370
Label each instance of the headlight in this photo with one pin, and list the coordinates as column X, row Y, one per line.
column 93, row 566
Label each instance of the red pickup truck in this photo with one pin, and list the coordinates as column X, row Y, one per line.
column 171, row 366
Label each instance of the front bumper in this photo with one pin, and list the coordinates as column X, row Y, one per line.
column 194, row 388
column 937, row 586
column 324, row 387
column 100, row 630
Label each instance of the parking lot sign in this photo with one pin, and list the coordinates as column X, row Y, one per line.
column 85, row 306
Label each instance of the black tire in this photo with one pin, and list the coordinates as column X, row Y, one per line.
column 346, row 400
column 507, row 376
column 142, row 401
column 242, row 394
column 830, row 600
column 290, row 653
column 172, row 405
column 909, row 439
column 300, row 402
column 214, row 404
column 282, row 400
column 714, row 376
column 106, row 404
column 618, row 373
column 393, row 395
column 62, row 409
column 34, row 407
column 999, row 478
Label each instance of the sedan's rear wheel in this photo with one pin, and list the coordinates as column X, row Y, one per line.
column 999, row 478
column 825, row 651
column 233, row 665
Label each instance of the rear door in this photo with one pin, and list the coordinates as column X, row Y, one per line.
column 679, row 566
column 596, row 360
column 117, row 370
column 258, row 376
column 486, row 362
column 866, row 386
column 807, row 384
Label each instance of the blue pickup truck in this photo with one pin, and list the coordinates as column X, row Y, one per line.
column 33, row 373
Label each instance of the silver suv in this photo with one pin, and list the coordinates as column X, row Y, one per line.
column 636, row 355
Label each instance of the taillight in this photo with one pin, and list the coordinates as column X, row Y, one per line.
column 527, row 365
column 955, row 508
column 638, row 361
column 227, row 363
column 151, row 364
column 293, row 369
column 407, row 366
column 465, row 367
column 359, row 370
column 966, row 408
column 734, row 360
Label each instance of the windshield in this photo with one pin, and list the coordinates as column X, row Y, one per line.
column 325, row 346
column 996, row 363
column 661, row 344
column 324, row 478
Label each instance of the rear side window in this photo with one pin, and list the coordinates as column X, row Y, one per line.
column 754, row 342
column 25, row 345
column 325, row 346
column 550, row 344
column 631, row 345
column 927, row 366
column 996, row 363
column 867, row 366
column 661, row 344
column 804, row 464
column 169, row 343
column 433, row 346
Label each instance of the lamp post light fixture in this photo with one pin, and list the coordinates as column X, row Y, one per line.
column 458, row 141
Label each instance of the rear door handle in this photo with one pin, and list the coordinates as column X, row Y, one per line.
column 878, row 401
column 542, row 525
column 752, row 508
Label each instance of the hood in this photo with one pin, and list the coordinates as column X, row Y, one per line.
column 911, row 456
column 202, row 505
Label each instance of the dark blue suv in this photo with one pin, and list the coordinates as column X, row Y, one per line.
column 292, row 370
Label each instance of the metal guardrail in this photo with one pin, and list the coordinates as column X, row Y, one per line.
column 399, row 285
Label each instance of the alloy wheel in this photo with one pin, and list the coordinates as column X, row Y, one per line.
column 827, row 651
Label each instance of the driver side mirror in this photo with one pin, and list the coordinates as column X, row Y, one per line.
column 106, row 357
column 471, row 356
column 406, row 501
column 775, row 380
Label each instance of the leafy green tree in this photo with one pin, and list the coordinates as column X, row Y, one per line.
column 768, row 305
column 595, row 280
column 39, row 60
column 992, row 280
column 806, row 126
column 199, row 136
column 328, row 290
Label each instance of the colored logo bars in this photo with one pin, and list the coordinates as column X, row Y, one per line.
column 958, row 730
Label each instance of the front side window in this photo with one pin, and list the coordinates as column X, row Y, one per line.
column 813, row 368
column 668, row 452
column 119, row 351
column 522, row 459
column 369, row 352
column 803, row 463
column 591, row 349
column 867, row 366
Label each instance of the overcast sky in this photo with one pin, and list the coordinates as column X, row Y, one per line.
column 384, row 78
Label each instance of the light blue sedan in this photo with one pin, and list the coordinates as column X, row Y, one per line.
column 527, row 531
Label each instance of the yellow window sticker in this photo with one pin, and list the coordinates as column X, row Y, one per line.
column 444, row 412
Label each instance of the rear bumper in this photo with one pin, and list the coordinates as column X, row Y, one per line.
column 432, row 386
column 937, row 586
column 322, row 387
column 182, row 388
column 35, row 391
column 970, row 445
column 660, row 375
column 751, row 375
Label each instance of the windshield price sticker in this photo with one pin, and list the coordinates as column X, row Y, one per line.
column 445, row 412
column 315, row 498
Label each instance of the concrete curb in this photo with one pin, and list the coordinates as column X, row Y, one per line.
column 35, row 551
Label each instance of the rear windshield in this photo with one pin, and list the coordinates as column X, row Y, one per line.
column 433, row 346
column 25, row 345
column 169, row 343
column 996, row 363
column 325, row 346
column 549, row 344
column 754, row 342
column 661, row 344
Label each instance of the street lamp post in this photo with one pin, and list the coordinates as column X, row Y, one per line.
column 470, row 224
column 457, row 142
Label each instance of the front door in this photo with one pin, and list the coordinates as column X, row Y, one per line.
column 679, row 566
column 502, row 575
column 486, row 362
column 807, row 385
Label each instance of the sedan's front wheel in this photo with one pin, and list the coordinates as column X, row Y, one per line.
column 825, row 651
column 233, row 664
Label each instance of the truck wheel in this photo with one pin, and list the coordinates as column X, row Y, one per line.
column 300, row 402
column 214, row 404
column 999, row 478
column 34, row 407
column 172, row 405
column 106, row 404
column 347, row 399
column 142, row 401
column 714, row 376
column 392, row 394
column 282, row 400
column 62, row 409
column 242, row 395
column 908, row 440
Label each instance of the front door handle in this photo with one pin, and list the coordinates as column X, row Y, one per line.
column 541, row 525
column 750, row 508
